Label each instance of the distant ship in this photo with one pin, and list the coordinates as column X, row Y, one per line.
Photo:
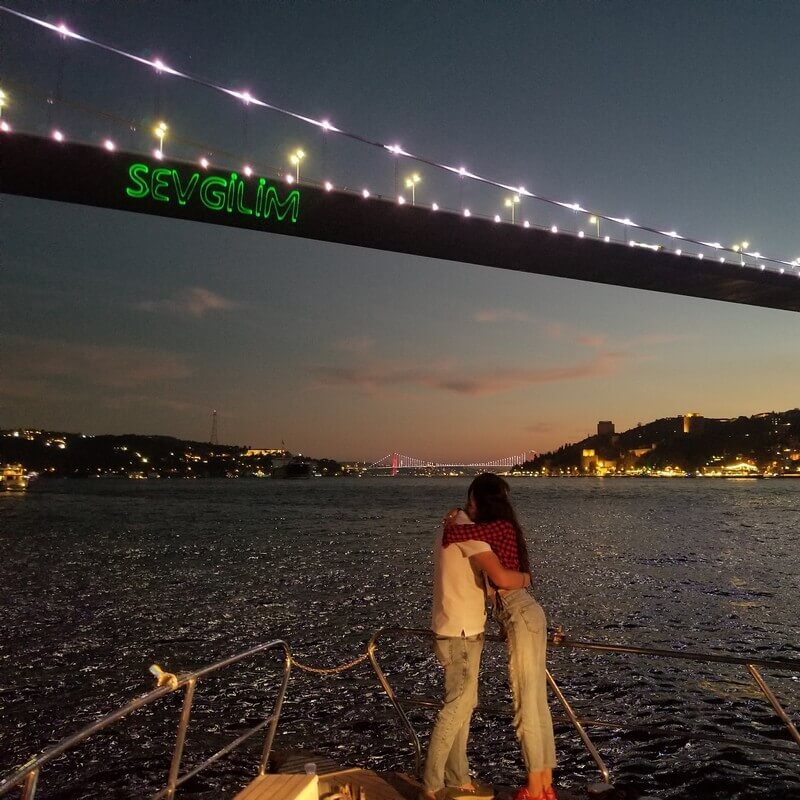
column 14, row 478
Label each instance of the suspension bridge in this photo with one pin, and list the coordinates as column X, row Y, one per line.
column 394, row 463
column 514, row 229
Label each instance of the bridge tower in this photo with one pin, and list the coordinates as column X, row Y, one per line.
column 214, row 437
column 395, row 464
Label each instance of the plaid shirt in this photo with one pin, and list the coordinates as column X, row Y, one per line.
column 499, row 535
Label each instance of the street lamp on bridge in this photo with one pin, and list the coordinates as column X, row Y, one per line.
column 161, row 131
column 3, row 100
column 411, row 183
column 593, row 220
column 512, row 203
column 739, row 248
column 295, row 158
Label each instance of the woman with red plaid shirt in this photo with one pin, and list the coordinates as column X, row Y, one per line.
column 491, row 518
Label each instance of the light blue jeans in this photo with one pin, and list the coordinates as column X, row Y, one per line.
column 526, row 627
column 446, row 763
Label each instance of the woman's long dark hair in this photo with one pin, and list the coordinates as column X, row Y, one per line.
column 489, row 493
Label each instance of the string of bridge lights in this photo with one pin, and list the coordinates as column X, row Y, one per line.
column 516, row 193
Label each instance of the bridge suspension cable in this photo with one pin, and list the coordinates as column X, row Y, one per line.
column 395, row 461
column 397, row 150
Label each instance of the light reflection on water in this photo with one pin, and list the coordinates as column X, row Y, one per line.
column 104, row 578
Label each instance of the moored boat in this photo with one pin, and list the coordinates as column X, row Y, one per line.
column 14, row 478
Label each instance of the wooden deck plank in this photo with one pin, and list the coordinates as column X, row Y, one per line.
column 373, row 786
column 281, row 787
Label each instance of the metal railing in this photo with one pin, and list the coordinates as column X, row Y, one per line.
column 752, row 666
column 26, row 777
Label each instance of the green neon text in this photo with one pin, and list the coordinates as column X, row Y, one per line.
column 234, row 195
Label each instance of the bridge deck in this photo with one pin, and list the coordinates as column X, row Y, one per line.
column 75, row 173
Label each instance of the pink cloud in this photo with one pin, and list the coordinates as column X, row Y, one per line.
column 37, row 360
column 468, row 381
column 552, row 330
column 193, row 302
column 592, row 340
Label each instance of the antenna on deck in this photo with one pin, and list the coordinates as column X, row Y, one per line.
column 214, row 437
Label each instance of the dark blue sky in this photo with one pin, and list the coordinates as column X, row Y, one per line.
column 681, row 115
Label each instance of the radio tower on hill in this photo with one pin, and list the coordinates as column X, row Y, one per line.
column 214, row 437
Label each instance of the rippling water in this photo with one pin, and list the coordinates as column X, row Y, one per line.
column 103, row 578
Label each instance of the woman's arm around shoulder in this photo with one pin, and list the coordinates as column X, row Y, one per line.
column 489, row 532
column 501, row 577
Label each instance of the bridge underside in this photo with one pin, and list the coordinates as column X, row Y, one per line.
column 74, row 173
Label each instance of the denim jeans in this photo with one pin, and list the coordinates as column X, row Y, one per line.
column 446, row 763
column 526, row 627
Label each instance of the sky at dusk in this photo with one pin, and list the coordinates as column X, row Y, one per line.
column 680, row 115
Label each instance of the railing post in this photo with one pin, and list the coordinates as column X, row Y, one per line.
column 573, row 718
column 30, row 785
column 371, row 647
column 177, row 754
column 276, row 712
column 773, row 701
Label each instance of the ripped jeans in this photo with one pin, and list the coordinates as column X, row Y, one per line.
column 526, row 628
column 446, row 763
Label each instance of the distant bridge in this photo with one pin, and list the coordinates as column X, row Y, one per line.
column 395, row 462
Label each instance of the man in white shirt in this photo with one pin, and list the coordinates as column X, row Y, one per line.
column 458, row 621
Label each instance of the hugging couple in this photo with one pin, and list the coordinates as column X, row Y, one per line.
column 479, row 554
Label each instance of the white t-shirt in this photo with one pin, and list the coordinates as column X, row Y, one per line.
column 459, row 600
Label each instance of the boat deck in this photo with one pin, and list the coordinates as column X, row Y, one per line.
column 336, row 782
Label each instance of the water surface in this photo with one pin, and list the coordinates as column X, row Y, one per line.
column 103, row 578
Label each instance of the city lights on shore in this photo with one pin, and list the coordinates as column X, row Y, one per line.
column 58, row 136
column 109, row 145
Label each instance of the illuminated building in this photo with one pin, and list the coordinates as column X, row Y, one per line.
column 694, row 424
column 605, row 428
